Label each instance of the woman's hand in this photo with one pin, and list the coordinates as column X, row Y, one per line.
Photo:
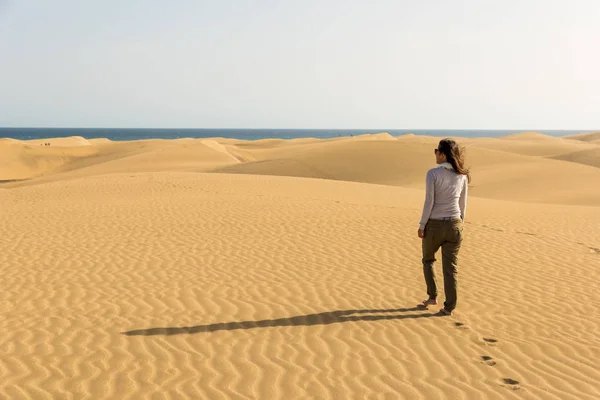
column 421, row 233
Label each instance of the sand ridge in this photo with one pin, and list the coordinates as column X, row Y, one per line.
column 586, row 137
column 590, row 156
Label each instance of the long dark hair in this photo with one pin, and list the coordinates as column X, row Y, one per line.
column 455, row 155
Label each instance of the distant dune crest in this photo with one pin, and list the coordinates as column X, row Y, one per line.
column 529, row 136
column 527, row 166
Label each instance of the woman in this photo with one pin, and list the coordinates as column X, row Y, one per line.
column 442, row 219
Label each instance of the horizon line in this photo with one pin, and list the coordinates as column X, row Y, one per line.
column 315, row 129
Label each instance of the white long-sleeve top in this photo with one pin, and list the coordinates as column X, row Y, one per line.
column 445, row 194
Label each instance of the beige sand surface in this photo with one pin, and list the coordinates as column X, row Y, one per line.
column 188, row 269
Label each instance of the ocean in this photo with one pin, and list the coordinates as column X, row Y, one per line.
column 250, row 134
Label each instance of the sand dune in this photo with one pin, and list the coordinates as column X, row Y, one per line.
column 527, row 136
column 547, row 147
column 377, row 161
column 589, row 156
column 503, row 169
column 99, row 157
column 72, row 141
column 187, row 269
column 586, row 137
column 28, row 159
column 500, row 174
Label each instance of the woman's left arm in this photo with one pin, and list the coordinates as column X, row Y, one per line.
column 429, row 199
column 462, row 202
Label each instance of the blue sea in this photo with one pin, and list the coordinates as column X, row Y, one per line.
column 250, row 134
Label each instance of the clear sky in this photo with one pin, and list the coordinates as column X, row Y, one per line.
column 456, row 64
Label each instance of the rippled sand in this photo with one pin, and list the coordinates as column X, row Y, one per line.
column 221, row 269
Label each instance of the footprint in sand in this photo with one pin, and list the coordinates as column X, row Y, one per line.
column 490, row 341
column 511, row 384
column 487, row 360
column 489, row 227
column 527, row 233
column 592, row 249
column 460, row 325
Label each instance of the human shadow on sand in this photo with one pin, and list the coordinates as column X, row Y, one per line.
column 324, row 318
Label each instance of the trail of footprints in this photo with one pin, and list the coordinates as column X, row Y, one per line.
column 509, row 383
column 591, row 248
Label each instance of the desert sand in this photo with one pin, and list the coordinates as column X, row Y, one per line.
column 291, row 269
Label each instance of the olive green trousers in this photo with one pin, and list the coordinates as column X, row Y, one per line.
column 446, row 234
